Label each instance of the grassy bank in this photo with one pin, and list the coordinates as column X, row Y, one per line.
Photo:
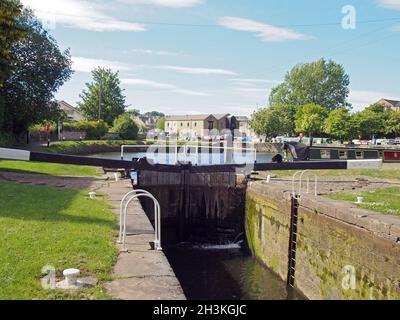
column 56, row 227
column 87, row 147
column 384, row 201
column 385, row 173
column 48, row 168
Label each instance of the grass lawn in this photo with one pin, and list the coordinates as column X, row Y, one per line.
column 48, row 168
column 374, row 173
column 88, row 146
column 41, row 225
column 385, row 201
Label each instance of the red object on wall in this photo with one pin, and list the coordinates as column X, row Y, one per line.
column 392, row 155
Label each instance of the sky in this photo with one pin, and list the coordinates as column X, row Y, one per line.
column 223, row 56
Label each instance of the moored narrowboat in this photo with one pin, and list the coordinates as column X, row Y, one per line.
column 351, row 152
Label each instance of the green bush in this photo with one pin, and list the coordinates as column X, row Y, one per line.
column 126, row 127
column 93, row 129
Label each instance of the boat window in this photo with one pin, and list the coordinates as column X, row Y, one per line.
column 359, row 155
column 325, row 154
column 342, row 154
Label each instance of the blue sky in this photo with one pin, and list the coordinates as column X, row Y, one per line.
column 217, row 56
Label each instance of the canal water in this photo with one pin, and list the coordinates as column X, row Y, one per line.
column 202, row 159
column 225, row 273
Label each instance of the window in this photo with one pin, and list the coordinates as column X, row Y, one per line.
column 342, row 155
column 195, row 124
column 181, row 124
column 210, row 125
column 325, row 154
column 359, row 155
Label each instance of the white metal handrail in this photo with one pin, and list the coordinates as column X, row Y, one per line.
column 157, row 216
column 121, row 212
column 301, row 183
column 185, row 149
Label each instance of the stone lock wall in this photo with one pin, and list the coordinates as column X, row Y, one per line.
column 342, row 252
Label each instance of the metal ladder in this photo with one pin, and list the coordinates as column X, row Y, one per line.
column 293, row 241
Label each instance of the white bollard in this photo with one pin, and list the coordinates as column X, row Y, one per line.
column 71, row 276
column 360, row 200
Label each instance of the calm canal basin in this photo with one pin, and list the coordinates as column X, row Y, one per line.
column 202, row 159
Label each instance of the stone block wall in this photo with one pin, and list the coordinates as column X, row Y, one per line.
column 342, row 252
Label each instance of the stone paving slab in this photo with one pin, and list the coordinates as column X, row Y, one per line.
column 140, row 273
column 146, row 288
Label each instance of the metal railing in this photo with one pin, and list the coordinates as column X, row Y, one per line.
column 125, row 202
column 186, row 149
column 302, row 173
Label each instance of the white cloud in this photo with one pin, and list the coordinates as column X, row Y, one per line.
column 167, row 3
column 253, row 90
column 266, row 32
column 198, row 71
column 80, row 64
column 155, row 52
column 255, row 81
column 160, row 85
column 391, row 4
column 79, row 14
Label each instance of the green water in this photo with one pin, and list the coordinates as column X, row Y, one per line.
column 229, row 274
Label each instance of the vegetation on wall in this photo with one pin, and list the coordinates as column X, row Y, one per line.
column 93, row 129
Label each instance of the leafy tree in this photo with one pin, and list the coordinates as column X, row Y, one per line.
column 320, row 82
column 39, row 70
column 161, row 124
column 370, row 123
column 338, row 123
column 310, row 119
column 134, row 112
column 11, row 31
column 155, row 114
column 103, row 99
column 392, row 125
column 271, row 122
column 126, row 127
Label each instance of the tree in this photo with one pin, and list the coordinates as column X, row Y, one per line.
column 155, row 114
column 126, row 127
column 310, row 119
column 369, row 123
column 338, row 122
column 392, row 125
column 271, row 122
column 103, row 99
column 320, row 82
column 160, row 125
column 11, row 31
column 39, row 69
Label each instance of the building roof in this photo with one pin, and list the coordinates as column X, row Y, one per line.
column 394, row 103
column 66, row 105
column 199, row 117
column 221, row 116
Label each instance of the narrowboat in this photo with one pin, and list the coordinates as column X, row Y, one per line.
column 354, row 152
